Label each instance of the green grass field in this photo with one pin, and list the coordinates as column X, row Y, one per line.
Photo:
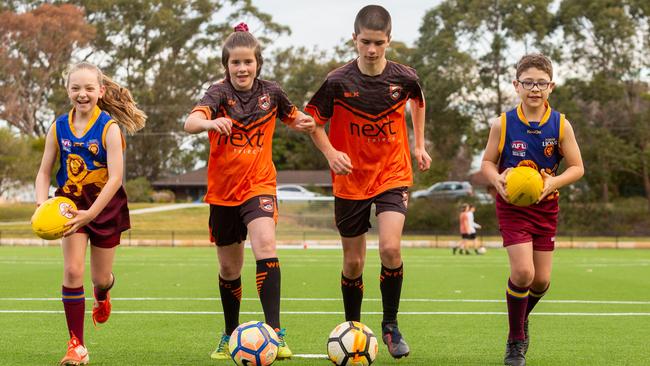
column 166, row 310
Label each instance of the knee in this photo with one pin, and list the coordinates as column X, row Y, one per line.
column 353, row 266
column 522, row 276
column 540, row 284
column 73, row 272
column 231, row 270
column 391, row 255
column 102, row 280
column 265, row 246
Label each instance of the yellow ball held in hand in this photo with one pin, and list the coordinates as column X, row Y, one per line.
column 48, row 222
column 524, row 186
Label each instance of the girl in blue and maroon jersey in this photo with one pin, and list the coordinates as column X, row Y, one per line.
column 537, row 136
column 90, row 146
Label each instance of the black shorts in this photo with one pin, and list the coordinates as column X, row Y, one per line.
column 468, row 236
column 228, row 223
column 353, row 216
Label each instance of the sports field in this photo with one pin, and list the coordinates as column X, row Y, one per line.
column 167, row 312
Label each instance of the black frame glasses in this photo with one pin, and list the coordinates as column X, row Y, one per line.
column 529, row 85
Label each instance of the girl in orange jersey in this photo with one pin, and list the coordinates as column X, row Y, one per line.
column 239, row 114
column 90, row 147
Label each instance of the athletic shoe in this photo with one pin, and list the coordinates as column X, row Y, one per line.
column 515, row 355
column 77, row 354
column 526, row 339
column 223, row 350
column 453, row 250
column 392, row 337
column 102, row 310
column 283, row 349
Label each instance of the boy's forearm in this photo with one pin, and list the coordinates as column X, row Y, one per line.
column 195, row 125
column 321, row 141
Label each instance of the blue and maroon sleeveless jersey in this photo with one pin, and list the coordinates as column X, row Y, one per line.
column 83, row 169
column 533, row 144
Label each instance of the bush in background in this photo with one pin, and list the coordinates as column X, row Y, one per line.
column 139, row 190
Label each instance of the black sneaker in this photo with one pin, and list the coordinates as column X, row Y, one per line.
column 453, row 251
column 392, row 337
column 527, row 339
column 515, row 355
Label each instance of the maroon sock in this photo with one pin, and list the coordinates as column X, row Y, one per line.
column 230, row 301
column 100, row 293
column 352, row 289
column 517, row 299
column 74, row 304
column 533, row 299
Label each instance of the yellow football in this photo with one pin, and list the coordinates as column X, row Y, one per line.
column 524, row 185
column 48, row 222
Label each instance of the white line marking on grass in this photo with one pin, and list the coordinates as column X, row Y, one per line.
column 310, row 356
column 336, row 299
column 174, row 312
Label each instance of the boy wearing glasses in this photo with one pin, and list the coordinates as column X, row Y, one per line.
column 534, row 135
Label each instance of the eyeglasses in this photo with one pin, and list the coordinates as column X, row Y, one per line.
column 529, row 85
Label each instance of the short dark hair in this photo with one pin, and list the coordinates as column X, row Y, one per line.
column 242, row 39
column 536, row 60
column 373, row 17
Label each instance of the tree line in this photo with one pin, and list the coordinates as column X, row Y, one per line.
column 168, row 52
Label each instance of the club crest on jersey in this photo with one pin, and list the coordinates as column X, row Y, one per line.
column 529, row 163
column 395, row 91
column 264, row 102
column 519, row 148
column 66, row 144
column 93, row 146
column 266, row 204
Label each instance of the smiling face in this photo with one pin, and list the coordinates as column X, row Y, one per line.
column 533, row 98
column 371, row 45
column 242, row 68
column 84, row 90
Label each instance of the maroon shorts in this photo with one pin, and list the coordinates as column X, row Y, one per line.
column 101, row 241
column 353, row 216
column 228, row 223
column 540, row 242
column 106, row 229
column 536, row 223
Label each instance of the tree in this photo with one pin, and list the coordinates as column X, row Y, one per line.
column 19, row 158
column 606, row 42
column 35, row 49
column 167, row 53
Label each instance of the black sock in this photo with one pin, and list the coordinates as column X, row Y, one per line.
column 391, row 289
column 268, row 287
column 352, row 290
column 230, row 300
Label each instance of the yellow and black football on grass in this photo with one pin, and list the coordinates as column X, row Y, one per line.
column 48, row 222
column 524, row 185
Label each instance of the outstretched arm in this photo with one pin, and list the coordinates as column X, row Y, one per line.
column 197, row 122
column 42, row 183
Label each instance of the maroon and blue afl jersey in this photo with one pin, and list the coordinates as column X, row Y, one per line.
column 83, row 169
column 536, row 145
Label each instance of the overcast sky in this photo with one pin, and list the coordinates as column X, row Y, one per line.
column 326, row 24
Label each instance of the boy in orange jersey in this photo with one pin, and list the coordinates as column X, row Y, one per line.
column 368, row 153
column 535, row 135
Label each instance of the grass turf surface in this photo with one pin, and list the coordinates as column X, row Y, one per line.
column 180, row 281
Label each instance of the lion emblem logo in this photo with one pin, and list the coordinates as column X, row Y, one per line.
column 79, row 175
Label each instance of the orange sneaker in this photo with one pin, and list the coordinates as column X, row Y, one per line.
column 102, row 310
column 77, row 354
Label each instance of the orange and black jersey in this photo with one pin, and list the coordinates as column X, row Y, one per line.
column 240, row 165
column 367, row 122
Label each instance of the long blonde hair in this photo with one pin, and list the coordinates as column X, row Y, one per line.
column 117, row 101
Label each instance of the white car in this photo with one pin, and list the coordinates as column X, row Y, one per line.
column 294, row 191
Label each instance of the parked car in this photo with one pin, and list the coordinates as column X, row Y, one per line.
column 484, row 198
column 294, row 191
column 445, row 190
